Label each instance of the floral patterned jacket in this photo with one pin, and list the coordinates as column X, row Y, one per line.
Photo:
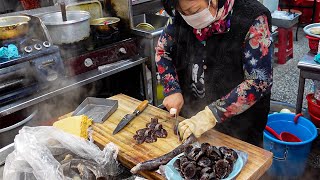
column 257, row 69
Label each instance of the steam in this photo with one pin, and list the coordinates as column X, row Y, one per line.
column 64, row 103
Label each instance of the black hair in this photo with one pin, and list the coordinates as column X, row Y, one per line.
column 169, row 6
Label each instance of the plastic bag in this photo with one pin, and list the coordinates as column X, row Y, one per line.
column 317, row 90
column 38, row 148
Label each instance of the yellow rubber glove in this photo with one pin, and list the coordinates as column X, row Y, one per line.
column 197, row 124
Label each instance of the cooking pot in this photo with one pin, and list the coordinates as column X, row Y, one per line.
column 13, row 26
column 12, row 123
column 75, row 29
column 105, row 25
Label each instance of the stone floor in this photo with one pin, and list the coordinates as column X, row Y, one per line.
column 286, row 76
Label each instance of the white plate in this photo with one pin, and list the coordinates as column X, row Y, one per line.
column 307, row 29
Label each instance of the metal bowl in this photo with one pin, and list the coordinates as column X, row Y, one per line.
column 145, row 27
column 309, row 27
column 13, row 26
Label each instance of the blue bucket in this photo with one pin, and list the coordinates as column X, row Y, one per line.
column 289, row 158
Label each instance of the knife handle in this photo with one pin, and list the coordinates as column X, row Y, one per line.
column 142, row 106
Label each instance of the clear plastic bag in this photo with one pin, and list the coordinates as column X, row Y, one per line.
column 38, row 148
column 317, row 90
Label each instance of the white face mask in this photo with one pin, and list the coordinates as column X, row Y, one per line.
column 201, row 19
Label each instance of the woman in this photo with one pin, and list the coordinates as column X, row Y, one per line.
column 214, row 58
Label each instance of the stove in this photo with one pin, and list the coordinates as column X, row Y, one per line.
column 97, row 50
column 41, row 63
column 38, row 66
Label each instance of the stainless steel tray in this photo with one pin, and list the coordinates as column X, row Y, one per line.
column 285, row 23
column 98, row 109
column 307, row 29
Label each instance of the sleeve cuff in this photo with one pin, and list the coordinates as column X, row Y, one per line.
column 215, row 112
column 172, row 92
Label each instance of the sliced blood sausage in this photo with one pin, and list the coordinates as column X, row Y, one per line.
column 176, row 164
column 140, row 139
column 206, row 170
column 141, row 132
column 229, row 154
column 190, row 170
column 221, row 168
column 158, row 127
column 204, row 147
column 204, row 162
column 151, row 126
column 214, row 153
column 154, row 120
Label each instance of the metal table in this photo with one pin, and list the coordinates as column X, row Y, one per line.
column 70, row 83
column 309, row 69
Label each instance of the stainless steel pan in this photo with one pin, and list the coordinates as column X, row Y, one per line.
column 13, row 26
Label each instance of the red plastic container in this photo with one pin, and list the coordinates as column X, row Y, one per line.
column 30, row 4
column 313, row 108
column 315, row 120
column 313, row 44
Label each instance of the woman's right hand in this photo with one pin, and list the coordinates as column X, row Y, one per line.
column 174, row 101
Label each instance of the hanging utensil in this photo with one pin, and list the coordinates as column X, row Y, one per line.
column 127, row 118
column 63, row 11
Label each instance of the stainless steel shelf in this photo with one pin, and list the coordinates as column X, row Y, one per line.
column 68, row 84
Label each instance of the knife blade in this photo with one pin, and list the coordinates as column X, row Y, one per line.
column 173, row 111
column 127, row 118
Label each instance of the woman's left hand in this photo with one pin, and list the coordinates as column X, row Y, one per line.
column 197, row 124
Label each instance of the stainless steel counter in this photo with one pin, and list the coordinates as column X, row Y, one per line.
column 68, row 84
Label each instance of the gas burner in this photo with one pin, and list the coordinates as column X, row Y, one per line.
column 112, row 37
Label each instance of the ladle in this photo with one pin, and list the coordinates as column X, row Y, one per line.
column 284, row 136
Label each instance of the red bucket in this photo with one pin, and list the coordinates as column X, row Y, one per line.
column 315, row 120
column 30, row 4
column 313, row 44
column 313, row 107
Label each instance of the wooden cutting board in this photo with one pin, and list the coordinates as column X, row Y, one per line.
column 131, row 154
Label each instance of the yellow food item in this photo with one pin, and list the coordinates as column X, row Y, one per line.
column 315, row 30
column 76, row 125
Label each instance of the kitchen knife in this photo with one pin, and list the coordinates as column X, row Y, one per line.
column 173, row 112
column 127, row 118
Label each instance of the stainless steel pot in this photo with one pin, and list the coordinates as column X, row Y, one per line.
column 75, row 29
column 105, row 25
column 20, row 118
